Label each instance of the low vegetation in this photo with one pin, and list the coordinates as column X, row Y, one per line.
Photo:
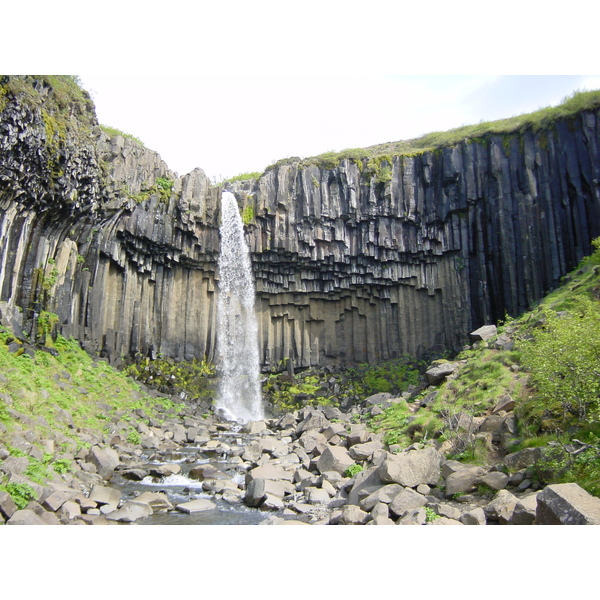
column 552, row 374
column 367, row 158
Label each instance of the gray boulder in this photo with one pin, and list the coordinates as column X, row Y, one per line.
column 436, row 374
column 199, row 505
column 334, row 458
column 501, row 507
column 405, row 501
column 473, row 517
column 412, row 468
column 483, row 333
column 463, row 480
column 353, row 515
column 567, row 504
column 130, row 511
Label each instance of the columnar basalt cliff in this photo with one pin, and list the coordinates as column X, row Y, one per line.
column 358, row 260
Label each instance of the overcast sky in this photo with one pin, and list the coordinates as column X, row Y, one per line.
column 233, row 86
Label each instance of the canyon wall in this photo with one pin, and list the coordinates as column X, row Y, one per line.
column 355, row 260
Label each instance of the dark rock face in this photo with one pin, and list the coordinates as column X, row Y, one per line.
column 350, row 265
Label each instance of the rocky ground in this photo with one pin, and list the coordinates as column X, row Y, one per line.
column 313, row 466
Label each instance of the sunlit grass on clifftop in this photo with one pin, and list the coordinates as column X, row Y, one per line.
column 535, row 121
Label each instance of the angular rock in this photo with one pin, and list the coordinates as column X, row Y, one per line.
column 525, row 511
column 412, row 468
column 194, row 506
column 484, row 333
column 334, row 458
column 464, row 480
column 25, row 517
column 131, row 511
column 405, row 501
column 501, row 507
column 383, row 495
column 495, row 479
column 438, row 373
column 473, row 517
column 105, row 495
column 352, row 515
column 158, row 501
column 362, row 452
column 7, row 506
column 567, row 504
column 106, row 460
column 416, row 516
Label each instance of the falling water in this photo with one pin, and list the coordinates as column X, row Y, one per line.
column 239, row 395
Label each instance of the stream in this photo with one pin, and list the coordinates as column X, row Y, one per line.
column 182, row 488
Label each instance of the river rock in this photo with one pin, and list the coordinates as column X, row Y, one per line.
column 130, row 511
column 194, row 506
column 158, row 501
column 105, row 495
column 567, row 504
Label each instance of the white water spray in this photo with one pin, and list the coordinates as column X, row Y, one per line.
column 239, row 395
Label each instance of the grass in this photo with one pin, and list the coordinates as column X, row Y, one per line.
column 536, row 121
column 42, row 385
column 112, row 132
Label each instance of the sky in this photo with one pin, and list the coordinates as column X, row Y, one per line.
column 231, row 87
column 245, row 128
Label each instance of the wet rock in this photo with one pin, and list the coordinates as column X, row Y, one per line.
column 158, row 501
column 194, row 506
column 105, row 495
column 130, row 511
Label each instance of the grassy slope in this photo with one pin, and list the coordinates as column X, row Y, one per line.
column 551, row 340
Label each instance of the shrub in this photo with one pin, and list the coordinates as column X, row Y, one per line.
column 563, row 358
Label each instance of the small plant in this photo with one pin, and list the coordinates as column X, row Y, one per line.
column 248, row 214
column 430, row 514
column 133, row 437
column 61, row 466
column 353, row 470
column 21, row 494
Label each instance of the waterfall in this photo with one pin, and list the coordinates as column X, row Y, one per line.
column 239, row 396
